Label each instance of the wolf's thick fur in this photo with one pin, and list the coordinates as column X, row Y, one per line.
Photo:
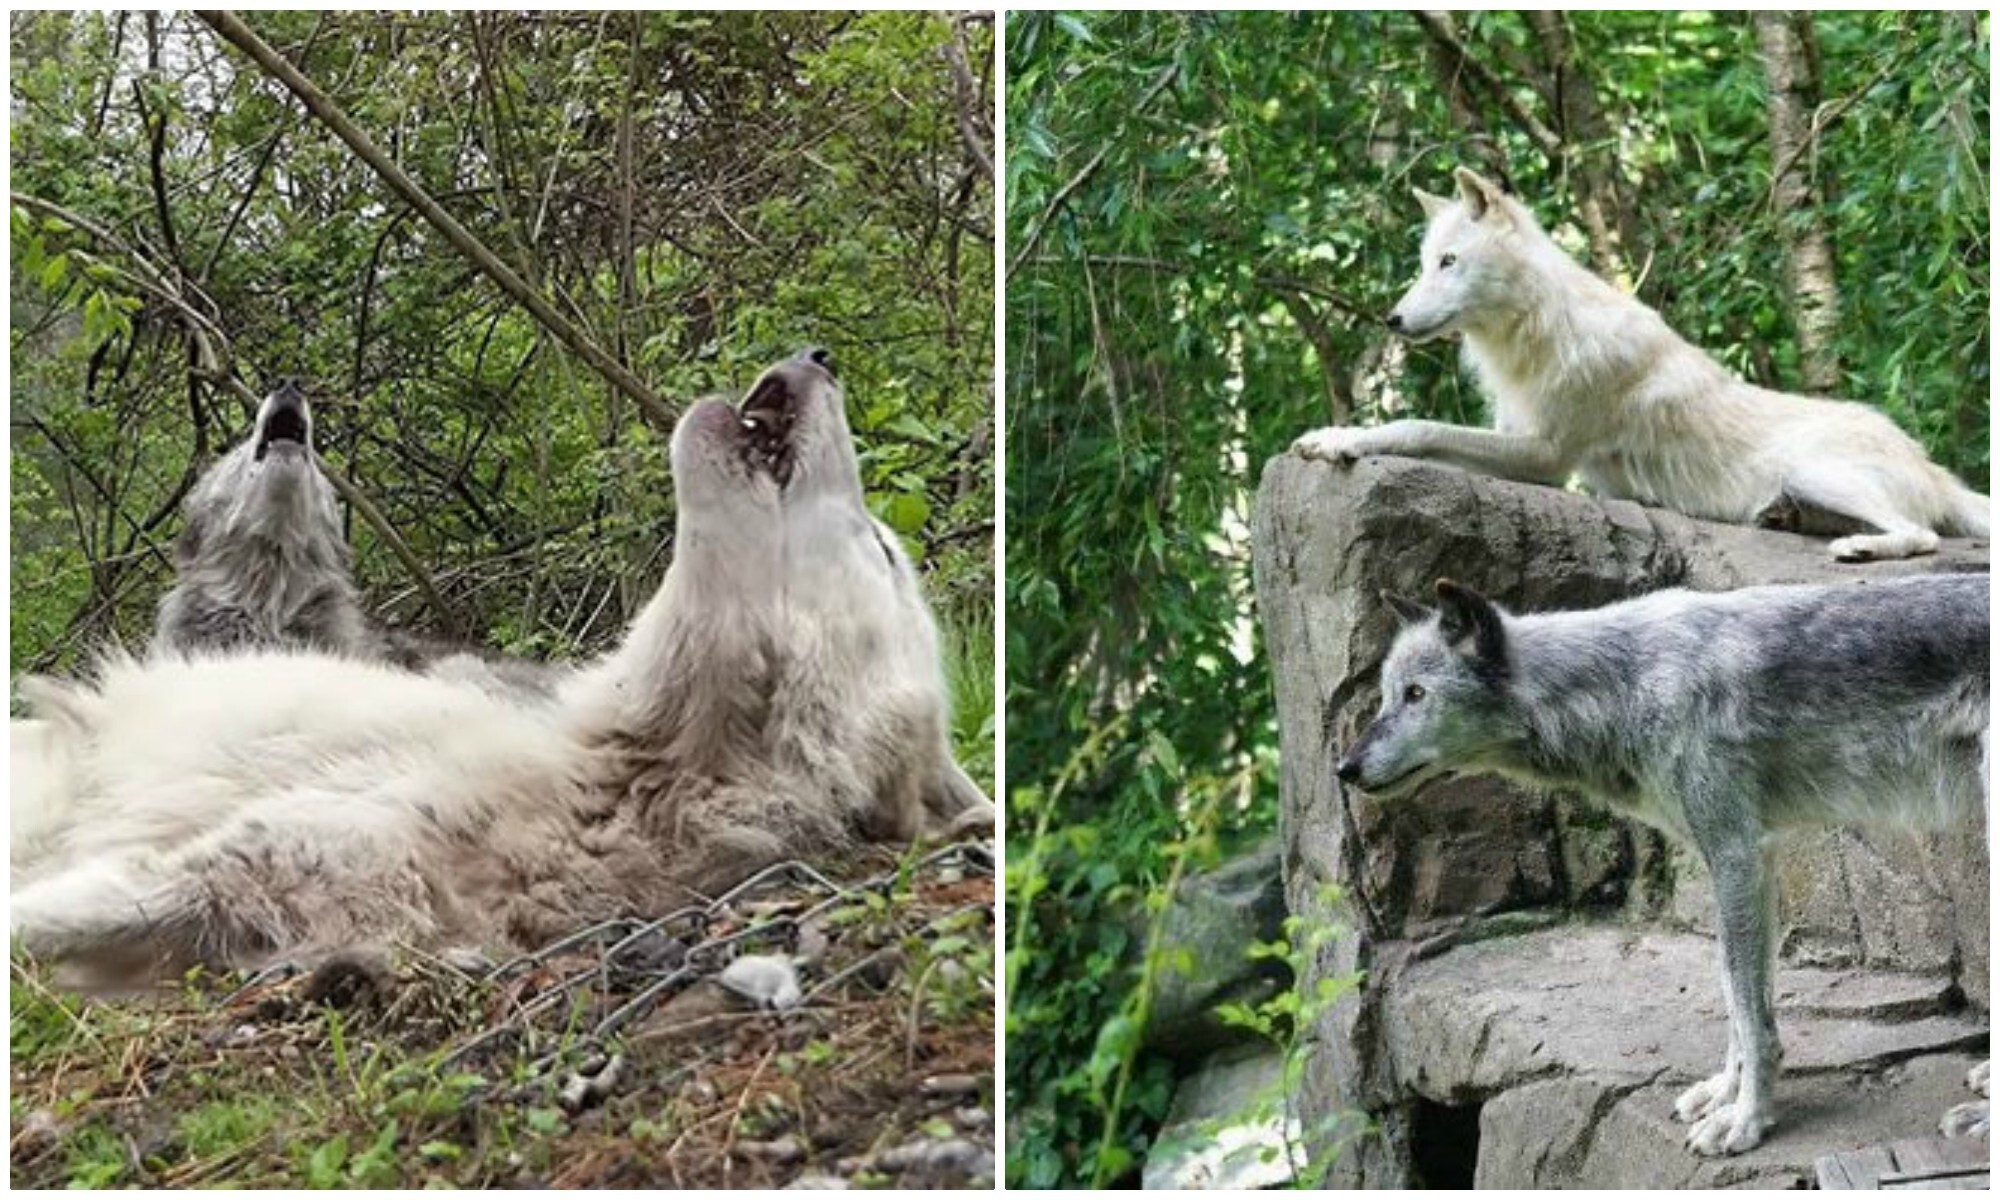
column 262, row 563
column 1722, row 719
column 1586, row 379
column 261, row 559
column 779, row 696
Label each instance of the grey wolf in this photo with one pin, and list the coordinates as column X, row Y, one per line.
column 261, row 560
column 1724, row 720
column 1585, row 379
column 779, row 696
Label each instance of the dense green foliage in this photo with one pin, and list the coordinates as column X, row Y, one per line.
column 701, row 193
column 1206, row 213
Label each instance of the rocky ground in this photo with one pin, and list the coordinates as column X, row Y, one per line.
column 798, row 1031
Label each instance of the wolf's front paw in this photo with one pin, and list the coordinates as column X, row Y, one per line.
column 1336, row 443
column 1853, row 549
column 1730, row 1129
column 1704, row 1097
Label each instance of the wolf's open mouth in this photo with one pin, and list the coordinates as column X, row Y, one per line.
column 285, row 427
column 767, row 414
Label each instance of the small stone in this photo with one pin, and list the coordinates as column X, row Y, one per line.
column 814, row 1182
column 973, row 1120
column 778, row 1152
column 950, row 1085
column 813, row 943
column 951, row 1156
column 765, row 980
column 37, row 1132
column 586, row 1088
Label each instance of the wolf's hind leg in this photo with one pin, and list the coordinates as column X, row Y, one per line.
column 114, row 922
column 1863, row 500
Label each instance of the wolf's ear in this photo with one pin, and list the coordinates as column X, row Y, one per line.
column 1471, row 623
column 1480, row 194
column 1432, row 205
column 1408, row 612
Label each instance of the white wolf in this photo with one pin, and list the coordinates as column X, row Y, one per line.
column 1723, row 719
column 1586, row 379
column 780, row 696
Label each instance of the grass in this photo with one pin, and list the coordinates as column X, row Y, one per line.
column 969, row 669
column 214, row 1083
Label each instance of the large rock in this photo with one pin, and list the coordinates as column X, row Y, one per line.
column 1211, row 921
column 1228, row 1128
column 1327, row 540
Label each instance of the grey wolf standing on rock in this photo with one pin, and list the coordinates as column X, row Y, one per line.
column 779, row 697
column 262, row 560
column 1587, row 379
column 1722, row 719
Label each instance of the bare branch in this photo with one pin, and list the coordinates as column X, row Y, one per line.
column 231, row 28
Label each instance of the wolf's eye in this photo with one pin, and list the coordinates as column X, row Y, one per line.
column 1446, row 261
column 1413, row 693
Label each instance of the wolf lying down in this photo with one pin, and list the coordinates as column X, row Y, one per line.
column 262, row 562
column 1586, row 379
column 1723, row 720
column 780, row 696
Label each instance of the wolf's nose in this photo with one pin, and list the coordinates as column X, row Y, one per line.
column 820, row 357
column 1394, row 321
column 1348, row 770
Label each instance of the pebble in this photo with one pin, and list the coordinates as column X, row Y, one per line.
column 778, row 1152
column 950, row 1085
column 765, row 980
column 955, row 1156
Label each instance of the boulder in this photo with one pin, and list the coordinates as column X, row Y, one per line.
column 1228, row 1127
column 1213, row 917
column 1418, row 873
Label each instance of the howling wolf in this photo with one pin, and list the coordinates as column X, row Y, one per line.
column 261, row 560
column 780, row 696
column 1723, row 720
column 1586, row 379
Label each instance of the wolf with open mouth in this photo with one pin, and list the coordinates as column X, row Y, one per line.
column 261, row 560
column 780, row 697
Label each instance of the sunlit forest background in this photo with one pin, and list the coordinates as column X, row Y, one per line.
column 698, row 194
column 1207, row 216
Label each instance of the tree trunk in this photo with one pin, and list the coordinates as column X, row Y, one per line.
column 1787, row 49
column 1589, row 148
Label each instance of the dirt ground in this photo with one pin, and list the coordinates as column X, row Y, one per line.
column 804, row 1028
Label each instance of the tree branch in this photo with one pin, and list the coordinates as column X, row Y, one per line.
column 1035, row 231
column 1438, row 25
column 231, row 29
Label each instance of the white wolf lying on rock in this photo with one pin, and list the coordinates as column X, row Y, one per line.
column 1586, row 379
column 1722, row 719
column 780, row 696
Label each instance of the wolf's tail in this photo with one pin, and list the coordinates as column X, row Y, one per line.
column 1968, row 513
